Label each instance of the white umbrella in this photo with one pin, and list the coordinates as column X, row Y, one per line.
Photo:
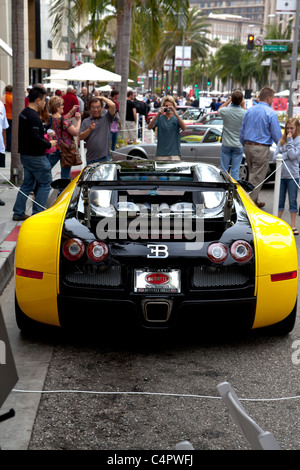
column 214, row 92
column 104, row 88
column 86, row 72
column 283, row 93
column 55, row 86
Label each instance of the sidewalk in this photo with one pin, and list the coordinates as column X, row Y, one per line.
column 9, row 229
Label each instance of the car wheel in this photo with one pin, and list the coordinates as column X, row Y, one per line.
column 243, row 173
column 25, row 324
column 137, row 155
column 285, row 326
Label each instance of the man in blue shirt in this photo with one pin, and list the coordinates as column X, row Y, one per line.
column 260, row 127
column 168, row 123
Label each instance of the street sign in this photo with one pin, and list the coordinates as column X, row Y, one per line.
column 275, row 48
column 258, row 40
column 286, row 7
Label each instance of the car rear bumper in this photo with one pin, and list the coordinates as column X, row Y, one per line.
column 157, row 312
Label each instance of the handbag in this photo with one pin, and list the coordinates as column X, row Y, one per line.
column 70, row 155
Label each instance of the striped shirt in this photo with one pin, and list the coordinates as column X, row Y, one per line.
column 260, row 125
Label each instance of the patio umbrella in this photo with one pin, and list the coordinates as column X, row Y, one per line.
column 55, row 86
column 86, row 72
column 283, row 93
column 104, row 88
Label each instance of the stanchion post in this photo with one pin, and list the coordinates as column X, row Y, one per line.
column 82, row 153
column 279, row 161
column 143, row 129
column 137, row 125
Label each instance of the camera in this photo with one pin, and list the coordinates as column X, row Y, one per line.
column 166, row 110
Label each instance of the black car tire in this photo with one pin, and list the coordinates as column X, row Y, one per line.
column 136, row 155
column 25, row 324
column 285, row 326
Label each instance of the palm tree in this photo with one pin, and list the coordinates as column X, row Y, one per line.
column 76, row 10
column 275, row 31
column 18, row 84
column 194, row 35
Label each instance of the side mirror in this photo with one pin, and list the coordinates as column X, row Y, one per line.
column 60, row 184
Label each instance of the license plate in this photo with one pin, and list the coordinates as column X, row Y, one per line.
column 160, row 280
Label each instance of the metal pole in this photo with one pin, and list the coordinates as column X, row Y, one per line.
column 182, row 68
column 143, row 129
column 270, row 78
column 277, row 184
column 294, row 60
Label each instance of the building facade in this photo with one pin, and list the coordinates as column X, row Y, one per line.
column 252, row 9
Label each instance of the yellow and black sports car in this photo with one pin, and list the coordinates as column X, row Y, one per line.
column 157, row 244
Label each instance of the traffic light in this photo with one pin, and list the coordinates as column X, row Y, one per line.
column 196, row 86
column 208, row 83
column 250, row 44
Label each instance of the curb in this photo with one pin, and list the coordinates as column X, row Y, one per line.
column 7, row 257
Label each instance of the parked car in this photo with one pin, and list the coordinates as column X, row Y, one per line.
column 180, row 110
column 200, row 117
column 199, row 143
column 158, row 245
column 192, row 115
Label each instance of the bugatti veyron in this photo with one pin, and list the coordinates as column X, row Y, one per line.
column 159, row 245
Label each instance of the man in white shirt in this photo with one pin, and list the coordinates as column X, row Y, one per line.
column 3, row 126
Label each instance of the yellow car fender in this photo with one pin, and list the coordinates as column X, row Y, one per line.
column 276, row 258
column 37, row 261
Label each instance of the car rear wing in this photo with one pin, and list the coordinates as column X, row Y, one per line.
column 157, row 186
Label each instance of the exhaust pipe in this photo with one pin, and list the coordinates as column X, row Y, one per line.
column 157, row 310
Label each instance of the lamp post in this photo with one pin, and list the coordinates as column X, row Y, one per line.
column 294, row 60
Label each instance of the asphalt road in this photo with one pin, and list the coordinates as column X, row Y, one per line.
column 172, row 383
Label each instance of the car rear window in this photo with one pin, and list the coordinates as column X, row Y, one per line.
column 192, row 135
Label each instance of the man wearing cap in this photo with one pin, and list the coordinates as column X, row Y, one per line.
column 70, row 100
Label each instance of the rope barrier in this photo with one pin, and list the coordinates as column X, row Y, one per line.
column 18, row 189
column 161, row 394
column 269, row 176
column 125, row 155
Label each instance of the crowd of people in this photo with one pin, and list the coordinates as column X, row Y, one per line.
column 94, row 118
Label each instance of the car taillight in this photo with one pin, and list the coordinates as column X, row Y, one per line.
column 241, row 251
column 29, row 273
column 97, row 251
column 217, row 252
column 284, row 276
column 73, row 249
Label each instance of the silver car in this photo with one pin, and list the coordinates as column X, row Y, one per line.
column 199, row 143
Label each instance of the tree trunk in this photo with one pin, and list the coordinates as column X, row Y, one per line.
column 172, row 75
column 18, row 85
column 126, row 9
column 120, row 24
column 278, row 75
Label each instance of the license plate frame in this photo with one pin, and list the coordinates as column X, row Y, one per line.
column 173, row 286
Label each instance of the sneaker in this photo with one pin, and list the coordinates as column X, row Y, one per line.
column 2, row 203
column 20, row 217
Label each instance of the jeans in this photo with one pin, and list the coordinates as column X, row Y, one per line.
column 231, row 156
column 288, row 186
column 8, row 135
column 36, row 170
column 113, row 138
column 56, row 157
column 97, row 160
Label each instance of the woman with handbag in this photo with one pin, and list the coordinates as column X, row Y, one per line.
column 64, row 132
